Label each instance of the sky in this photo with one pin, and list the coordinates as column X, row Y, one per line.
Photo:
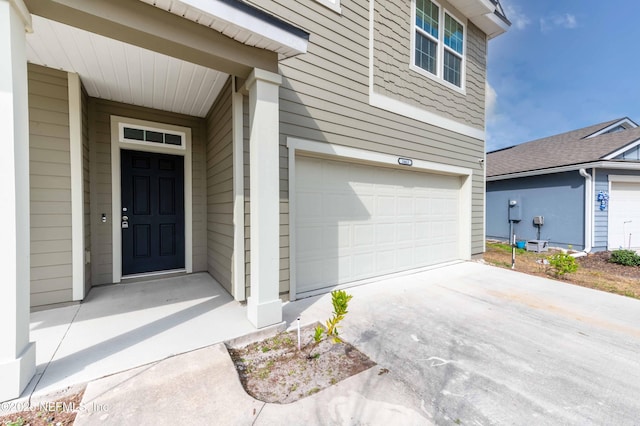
column 563, row 65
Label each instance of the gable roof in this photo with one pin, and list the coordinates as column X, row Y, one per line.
column 575, row 147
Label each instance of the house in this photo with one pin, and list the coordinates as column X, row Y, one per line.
column 585, row 184
column 286, row 148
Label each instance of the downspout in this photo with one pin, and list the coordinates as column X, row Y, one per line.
column 588, row 210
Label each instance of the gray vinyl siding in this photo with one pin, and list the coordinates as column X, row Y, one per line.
column 325, row 97
column 100, row 112
column 86, row 197
column 220, row 189
column 394, row 78
column 558, row 197
column 601, row 217
column 50, row 186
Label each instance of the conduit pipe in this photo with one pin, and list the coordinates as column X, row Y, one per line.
column 588, row 210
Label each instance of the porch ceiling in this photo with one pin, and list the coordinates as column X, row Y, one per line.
column 117, row 71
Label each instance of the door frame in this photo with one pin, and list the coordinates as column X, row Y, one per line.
column 118, row 143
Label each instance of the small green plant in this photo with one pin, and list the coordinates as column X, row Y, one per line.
column 18, row 422
column 625, row 257
column 340, row 301
column 562, row 263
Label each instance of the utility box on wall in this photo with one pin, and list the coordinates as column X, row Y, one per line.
column 537, row 245
column 515, row 213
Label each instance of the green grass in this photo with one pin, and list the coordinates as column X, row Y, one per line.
column 505, row 247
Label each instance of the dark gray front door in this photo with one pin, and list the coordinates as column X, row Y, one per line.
column 153, row 206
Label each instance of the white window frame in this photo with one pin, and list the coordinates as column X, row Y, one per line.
column 439, row 75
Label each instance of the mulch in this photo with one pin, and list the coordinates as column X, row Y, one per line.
column 600, row 261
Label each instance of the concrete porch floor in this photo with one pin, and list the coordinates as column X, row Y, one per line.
column 126, row 325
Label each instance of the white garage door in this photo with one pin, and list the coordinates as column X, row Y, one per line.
column 624, row 215
column 354, row 221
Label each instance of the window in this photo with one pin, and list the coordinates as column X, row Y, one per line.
column 438, row 42
column 134, row 133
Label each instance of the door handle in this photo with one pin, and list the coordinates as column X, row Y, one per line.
column 125, row 218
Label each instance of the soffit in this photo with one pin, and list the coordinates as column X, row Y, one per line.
column 117, row 71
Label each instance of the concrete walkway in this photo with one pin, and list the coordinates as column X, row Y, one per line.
column 464, row 344
column 131, row 324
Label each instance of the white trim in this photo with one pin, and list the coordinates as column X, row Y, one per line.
column 331, row 4
column 116, row 195
column 624, row 178
column 23, row 13
column 296, row 146
column 438, row 76
column 238, row 271
column 622, row 150
column 291, row 145
column 588, row 209
column 613, row 126
column 221, row 10
column 423, row 115
column 77, row 185
column 619, row 165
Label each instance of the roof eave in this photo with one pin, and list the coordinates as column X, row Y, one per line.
column 568, row 168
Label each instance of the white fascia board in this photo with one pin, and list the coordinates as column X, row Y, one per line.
column 622, row 150
column 491, row 24
column 223, row 11
column 619, row 165
column 625, row 120
column 473, row 8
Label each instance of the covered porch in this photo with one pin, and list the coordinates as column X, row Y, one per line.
column 101, row 67
column 123, row 326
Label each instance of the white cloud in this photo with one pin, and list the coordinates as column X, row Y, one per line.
column 518, row 19
column 490, row 100
column 567, row 21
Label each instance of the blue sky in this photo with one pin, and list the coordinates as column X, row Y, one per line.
column 563, row 65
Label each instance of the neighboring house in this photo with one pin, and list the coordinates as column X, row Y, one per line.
column 285, row 147
column 585, row 183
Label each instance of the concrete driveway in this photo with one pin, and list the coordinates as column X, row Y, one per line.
column 479, row 345
column 464, row 344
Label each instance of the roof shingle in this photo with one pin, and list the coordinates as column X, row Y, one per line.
column 560, row 150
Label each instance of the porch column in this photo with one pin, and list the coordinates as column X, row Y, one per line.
column 264, row 306
column 17, row 354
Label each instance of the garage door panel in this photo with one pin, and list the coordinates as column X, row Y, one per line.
column 624, row 215
column 374, row 221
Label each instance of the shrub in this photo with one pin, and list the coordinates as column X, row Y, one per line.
column 340, row 301
column 562, row 263
column 625, row 257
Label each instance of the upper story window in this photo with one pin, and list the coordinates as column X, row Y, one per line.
column 438, row 42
